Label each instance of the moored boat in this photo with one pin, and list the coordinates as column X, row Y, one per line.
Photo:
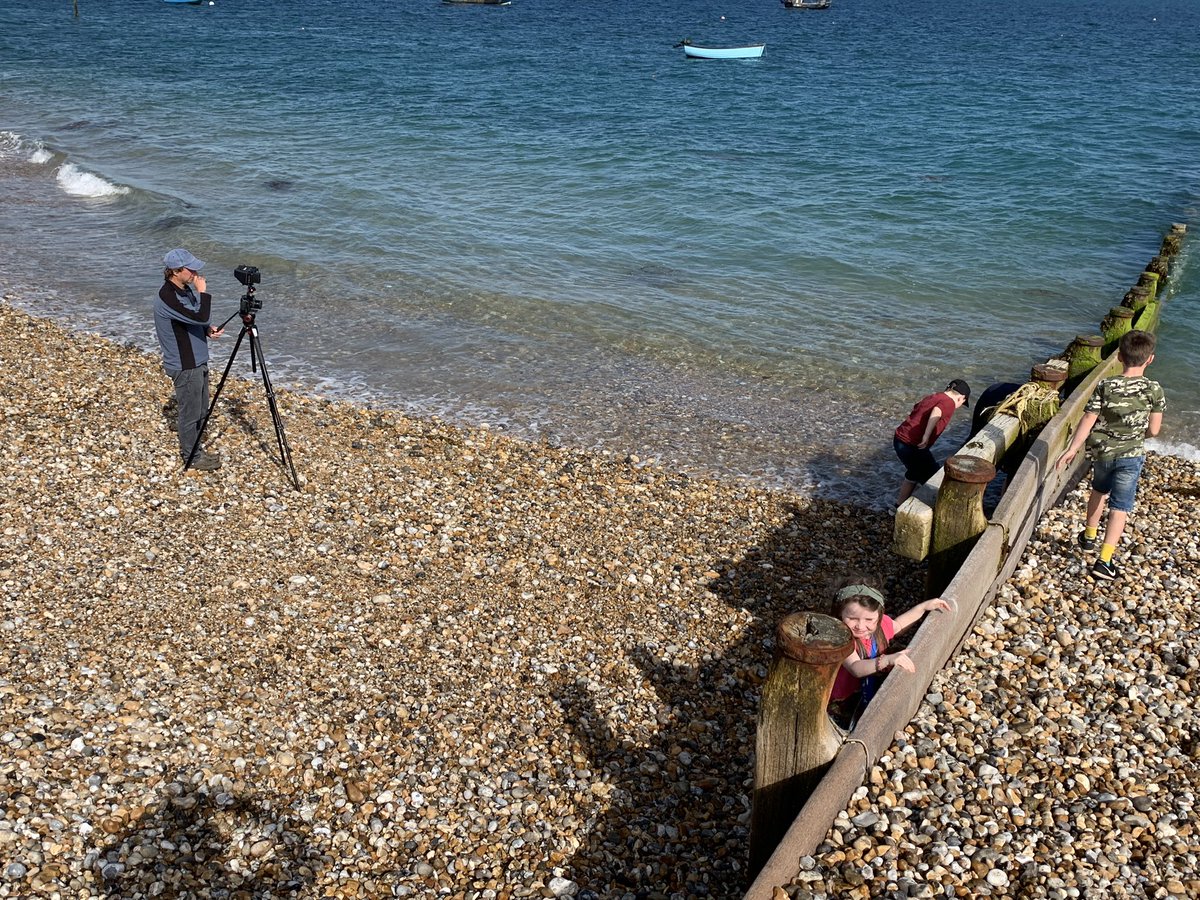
column 807, row 4
column 747, row 51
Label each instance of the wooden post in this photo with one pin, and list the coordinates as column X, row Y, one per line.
column 1082, row 356
column 1136, row 297
column 1160, row 266
column 1172, row 243
column 958, row 518
column 1149, row 281
column 1115, row 325
column 1049, row 374
column 796, row 739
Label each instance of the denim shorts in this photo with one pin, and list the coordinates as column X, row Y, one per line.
column 1119, row 479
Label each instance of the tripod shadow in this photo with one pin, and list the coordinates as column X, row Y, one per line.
column 239, row 413
column 244, row 417
column 677, row 820
column 196, row 844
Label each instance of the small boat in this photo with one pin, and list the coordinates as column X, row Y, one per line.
column 749, row 51
column 807, row 4
column 183, row 2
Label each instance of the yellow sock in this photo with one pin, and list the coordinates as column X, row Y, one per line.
column 1091, row 531
column 1106, row 552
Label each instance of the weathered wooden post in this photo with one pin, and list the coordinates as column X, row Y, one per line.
column 1082, row 356
column 796, row 739
column 1049, row 375
column 1173, row 242
column 1149, row 281
column 1137, row 297
column 1115, row 325
column 958, row 518
column 1159, row 266
column 1033, row 405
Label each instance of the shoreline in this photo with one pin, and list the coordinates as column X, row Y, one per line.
column 455, row 661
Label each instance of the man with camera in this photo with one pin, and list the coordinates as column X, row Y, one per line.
column 182, row 321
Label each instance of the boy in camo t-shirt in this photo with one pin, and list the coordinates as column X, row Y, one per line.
column 1119, row 415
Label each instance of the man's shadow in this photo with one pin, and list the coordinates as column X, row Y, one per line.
column 677, row 821
column 237, row 408
column 200, row 844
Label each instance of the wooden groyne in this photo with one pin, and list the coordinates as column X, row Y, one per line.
column 970, row 554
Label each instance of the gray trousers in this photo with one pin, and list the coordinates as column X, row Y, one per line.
column 191, row 395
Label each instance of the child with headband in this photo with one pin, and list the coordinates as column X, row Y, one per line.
column 859, row 604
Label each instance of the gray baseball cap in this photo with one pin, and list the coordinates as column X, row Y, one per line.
column 181, row 259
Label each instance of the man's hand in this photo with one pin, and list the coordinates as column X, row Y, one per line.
column 199, row 282
column 215, row 332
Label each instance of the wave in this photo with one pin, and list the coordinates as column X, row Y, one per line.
column 14, row 146
column 79, row 183
column 1172, row 448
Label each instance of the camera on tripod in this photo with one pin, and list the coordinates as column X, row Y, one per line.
column 249, row 276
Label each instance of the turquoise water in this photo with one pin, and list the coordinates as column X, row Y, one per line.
column 542, row 217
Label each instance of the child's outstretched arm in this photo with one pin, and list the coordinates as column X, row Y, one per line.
column 861, row 668
column 1081, row 434
column 907, row 620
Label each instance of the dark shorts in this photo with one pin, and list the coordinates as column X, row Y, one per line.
column 919, row 465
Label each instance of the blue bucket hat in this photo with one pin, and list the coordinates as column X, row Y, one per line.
column 181, row 259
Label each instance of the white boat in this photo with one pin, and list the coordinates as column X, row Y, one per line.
column 747, row 51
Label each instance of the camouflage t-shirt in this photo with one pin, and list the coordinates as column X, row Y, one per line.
column 1123, row 407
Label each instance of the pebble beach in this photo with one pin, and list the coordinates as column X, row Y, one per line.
column 454, row 664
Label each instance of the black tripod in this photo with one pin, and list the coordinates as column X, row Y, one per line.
column 257, row 363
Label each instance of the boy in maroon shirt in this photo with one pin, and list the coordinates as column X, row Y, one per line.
column 921, row 429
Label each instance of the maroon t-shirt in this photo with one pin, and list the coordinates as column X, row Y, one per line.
column 912, row 429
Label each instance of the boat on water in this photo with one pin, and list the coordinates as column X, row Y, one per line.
column 748, row 51
column 481, row 2
column 807, row 4
column 183, row 2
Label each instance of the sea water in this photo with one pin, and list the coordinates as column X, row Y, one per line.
column 543, row 218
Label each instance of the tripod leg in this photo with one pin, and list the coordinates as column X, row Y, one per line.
column 285, row 452
column 212, row 405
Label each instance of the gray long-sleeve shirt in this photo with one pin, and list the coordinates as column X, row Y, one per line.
column 181, row 323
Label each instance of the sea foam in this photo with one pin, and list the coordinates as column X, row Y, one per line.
column 14, row 146
column 1171, row 448
column 78, row 183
